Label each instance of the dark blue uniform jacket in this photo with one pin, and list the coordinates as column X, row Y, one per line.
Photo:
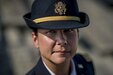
column 83, row 67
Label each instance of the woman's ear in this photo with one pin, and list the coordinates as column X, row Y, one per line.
column 35, row 40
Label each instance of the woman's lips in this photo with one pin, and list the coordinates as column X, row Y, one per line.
column 63, row 52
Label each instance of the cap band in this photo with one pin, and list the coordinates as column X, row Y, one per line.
column 56, row 18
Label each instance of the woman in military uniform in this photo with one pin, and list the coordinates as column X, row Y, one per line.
column 55, row 25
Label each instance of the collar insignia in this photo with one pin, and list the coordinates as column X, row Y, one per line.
column 60, row 8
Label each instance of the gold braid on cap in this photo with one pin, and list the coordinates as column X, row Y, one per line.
column 56, row 18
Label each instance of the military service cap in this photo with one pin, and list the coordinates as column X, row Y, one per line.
column 56, row 14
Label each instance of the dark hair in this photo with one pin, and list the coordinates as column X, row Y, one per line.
column 35, row 30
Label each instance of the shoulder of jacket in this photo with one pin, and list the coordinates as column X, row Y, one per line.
column 83, row 56
column 84, row 64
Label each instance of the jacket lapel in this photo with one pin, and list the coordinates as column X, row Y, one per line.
column 80, row 69
column 41, row 69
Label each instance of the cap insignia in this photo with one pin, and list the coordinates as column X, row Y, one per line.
column 60, row 8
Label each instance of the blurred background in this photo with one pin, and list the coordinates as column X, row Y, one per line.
column 18, row 54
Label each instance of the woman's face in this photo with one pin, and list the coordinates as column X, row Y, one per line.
column 56, row 46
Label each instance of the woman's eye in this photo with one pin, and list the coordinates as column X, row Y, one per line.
column 51, row 32
column 69, row 30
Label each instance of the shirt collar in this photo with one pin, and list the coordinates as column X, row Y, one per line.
column 73, row 69
column 48, row 69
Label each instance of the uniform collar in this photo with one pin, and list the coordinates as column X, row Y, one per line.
column 73, row 69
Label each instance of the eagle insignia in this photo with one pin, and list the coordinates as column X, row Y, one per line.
column 60, row 8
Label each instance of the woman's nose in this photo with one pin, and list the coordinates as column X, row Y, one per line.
column 61, row 39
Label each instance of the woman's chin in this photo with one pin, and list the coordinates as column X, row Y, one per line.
column 61, row 60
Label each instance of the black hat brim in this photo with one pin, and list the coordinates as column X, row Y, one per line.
column 56, row 25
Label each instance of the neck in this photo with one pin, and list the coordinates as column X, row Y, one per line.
column 62, row 69
column 59, row 69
